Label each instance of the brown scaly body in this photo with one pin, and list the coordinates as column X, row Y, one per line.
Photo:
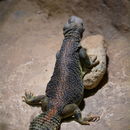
column 65, row 90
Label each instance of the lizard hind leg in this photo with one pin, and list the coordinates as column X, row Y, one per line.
column 86, row 120
column 73, row 110
column 32, row 100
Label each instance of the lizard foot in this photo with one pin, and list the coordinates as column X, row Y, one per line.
column 93, row 60
column 28, row 97
column 87, row 120
column 32, row 100
column 92, row 118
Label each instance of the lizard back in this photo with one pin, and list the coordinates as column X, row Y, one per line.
column 66, row 82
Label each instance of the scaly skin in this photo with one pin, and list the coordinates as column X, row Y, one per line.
column 65, row 90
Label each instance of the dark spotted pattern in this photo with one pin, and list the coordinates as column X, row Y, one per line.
column 66, row 83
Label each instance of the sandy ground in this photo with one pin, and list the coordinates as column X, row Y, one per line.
column 29, row 40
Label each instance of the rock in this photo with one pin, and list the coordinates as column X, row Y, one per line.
column 95, row 46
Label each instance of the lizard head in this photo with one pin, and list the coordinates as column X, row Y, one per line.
column 74, row 23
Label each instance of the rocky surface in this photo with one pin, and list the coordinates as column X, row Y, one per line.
column 115, row 10
column 29, row 40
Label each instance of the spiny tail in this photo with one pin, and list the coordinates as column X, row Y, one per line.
column 49, row 120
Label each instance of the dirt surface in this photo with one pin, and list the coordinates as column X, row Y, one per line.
column 30, row 36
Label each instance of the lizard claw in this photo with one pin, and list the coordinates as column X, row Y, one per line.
column 28, row 97
column 93, row 60
column 23, row 98
column 92, row 118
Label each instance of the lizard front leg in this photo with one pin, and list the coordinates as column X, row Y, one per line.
column 73, row 110
column 32, row 100
column 87, row 62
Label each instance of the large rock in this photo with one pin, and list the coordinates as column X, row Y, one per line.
column 95, row 46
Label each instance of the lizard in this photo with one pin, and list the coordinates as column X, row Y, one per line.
column 65, row 90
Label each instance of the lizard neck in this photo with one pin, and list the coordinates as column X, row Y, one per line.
column 73, row 33
column 49, row 120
